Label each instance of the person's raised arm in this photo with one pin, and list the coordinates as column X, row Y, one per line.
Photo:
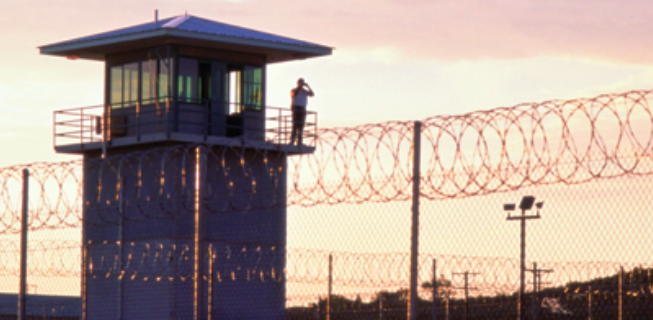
column 309, row 90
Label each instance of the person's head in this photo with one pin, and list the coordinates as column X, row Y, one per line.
column 300, row 82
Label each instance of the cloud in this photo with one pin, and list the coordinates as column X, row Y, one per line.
column 467, row 29
column 612, row 30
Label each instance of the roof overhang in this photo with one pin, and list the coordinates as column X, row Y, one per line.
column 98, row 49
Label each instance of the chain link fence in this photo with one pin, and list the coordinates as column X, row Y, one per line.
column 348, row 238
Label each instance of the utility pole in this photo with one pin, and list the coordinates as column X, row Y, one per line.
column 466, row 287
column 537, row 286
column 525, row 205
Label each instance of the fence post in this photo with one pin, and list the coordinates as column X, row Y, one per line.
column 534, row 299
column 22, row 291
column 589, row 302
column 620, row 298
column 121, row 243
column 414, row 241
column 85, row 279
column 209, row 307
column 328, row 306
column 200, row 178
column 381, row 315
column 435, row 290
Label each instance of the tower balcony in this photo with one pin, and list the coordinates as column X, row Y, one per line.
column 85, row 129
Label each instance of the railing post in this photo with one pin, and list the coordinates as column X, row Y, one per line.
column 81, row 127
column 207, row 111
column 138, row 121
column 414, row 241
column 169, row 118
column 54, row 129
column 315, row 130
column 279, row 128
column 22, row 293
column 106, row 133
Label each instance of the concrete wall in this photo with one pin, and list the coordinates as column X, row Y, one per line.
column 140, row 231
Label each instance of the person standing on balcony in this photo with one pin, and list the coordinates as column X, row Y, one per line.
column 299, row 97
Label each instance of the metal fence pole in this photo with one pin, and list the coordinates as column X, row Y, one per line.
column 210, row 284
column 381, row 315
column 521, row 310
column 414, row 243
column 534, row 299
column 589, row 303
column 466, row 295
column 22, row 291
column 328, row 306
column 84, row 279
column 200, row 178
column 620, row 298
column 435, row 290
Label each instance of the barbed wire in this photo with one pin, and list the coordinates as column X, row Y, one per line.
column 360, row 272
column 56, row 196
column 481, row 152
column 478, row 153
column 49, row 258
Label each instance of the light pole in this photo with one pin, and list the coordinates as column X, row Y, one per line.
column 526, row 204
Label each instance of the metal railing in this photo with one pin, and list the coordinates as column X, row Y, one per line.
column 85, row 125
column 78, row 126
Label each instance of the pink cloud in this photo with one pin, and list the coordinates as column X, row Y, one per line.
column 466, row 29
column 449, row 30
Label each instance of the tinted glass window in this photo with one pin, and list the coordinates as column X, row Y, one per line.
column 235, row 91
column 253, row 88
column 148, row 80
column 164, row 76
column 116, row 87
column 188, row 80
column 130, row 84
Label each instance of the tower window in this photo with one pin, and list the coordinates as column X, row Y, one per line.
column 145, row 81
column 187, row 83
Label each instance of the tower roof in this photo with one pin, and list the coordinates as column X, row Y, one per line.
column 188, row 30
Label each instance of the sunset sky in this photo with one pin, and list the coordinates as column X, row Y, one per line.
column 393, row 59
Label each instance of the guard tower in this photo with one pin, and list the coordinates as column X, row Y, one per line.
column 179, row 94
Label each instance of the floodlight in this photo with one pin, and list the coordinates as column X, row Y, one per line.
column 539, row 205
column 509, row 207
column 526, row 202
